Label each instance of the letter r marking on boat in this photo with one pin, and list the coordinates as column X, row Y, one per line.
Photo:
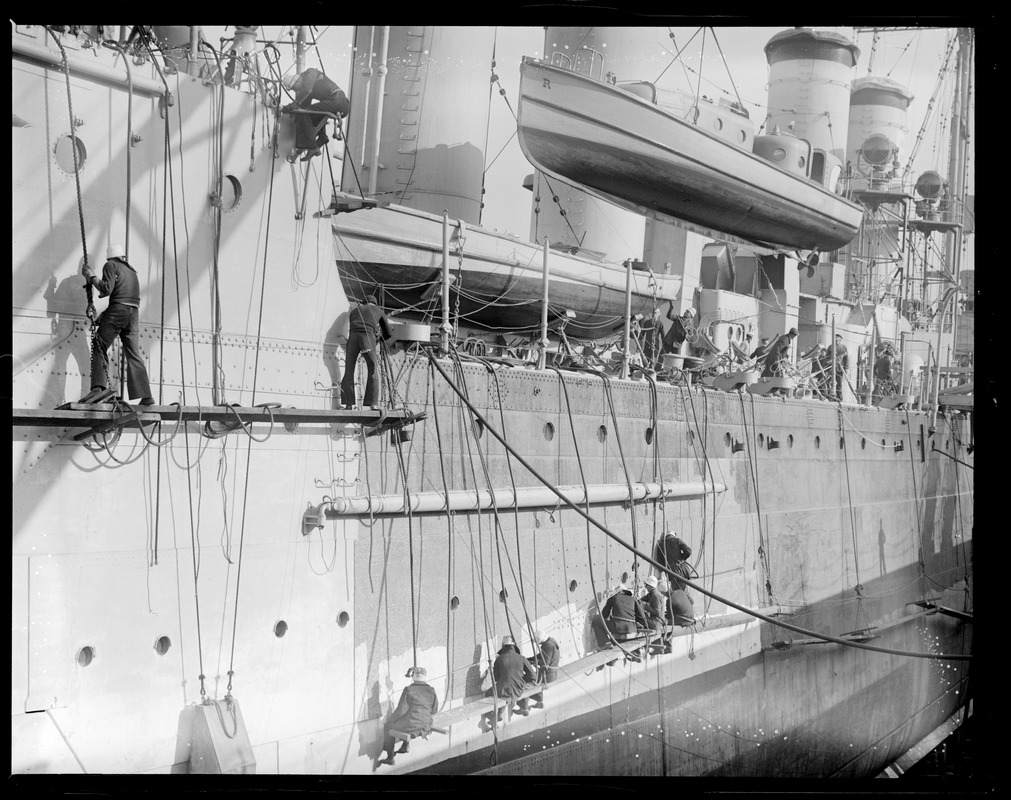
column 547, row 83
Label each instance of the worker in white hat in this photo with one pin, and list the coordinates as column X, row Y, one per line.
column 654, row 604
column 121, row 285
column 315, row 92
column 413, row 715
column 546, row 659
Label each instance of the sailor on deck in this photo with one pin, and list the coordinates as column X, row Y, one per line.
column 413, row 715
column 884, row 384
column 120, row 283
column 366, row 322
column 779, row 355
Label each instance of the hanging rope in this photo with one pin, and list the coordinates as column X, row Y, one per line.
column 610, row 534
column 90, row 312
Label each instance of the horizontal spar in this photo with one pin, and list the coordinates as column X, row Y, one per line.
column 528, row 497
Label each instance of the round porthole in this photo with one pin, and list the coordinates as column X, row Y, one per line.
column 842, row 442
column 649, row 435
column 161, row 647
column 85, row 655
column 454, row 603
column 728, row 440
column 718, row 124
column 863, row 444
column 624, row 577
column 64, row 152
column 761, row 440
column 280, row 629
column 817, row 442
column 691, row 436
column 779, row 154
column 549, row 431
column 343, row 619
column 741, row 136
column 789, row 440
column 602, row 434
column 478, row 429
column 572, row 586
column 802, row 162
column 503, row 595
column 230, row 193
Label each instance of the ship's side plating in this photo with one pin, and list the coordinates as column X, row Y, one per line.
column 145, row 580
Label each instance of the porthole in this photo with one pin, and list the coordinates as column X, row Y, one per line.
column 280, row 629
column 691, row 436
column 728, row 440
column 161, row 647
column 718, row 124
column 231, row 193
column 946, row 442
column 863, row 443
column 64, row 153
column 761, row 440
column 789, row 440
column 817, row 442
column 779, row 154
column 343, row 619
column 572, row 586
column 842, row 442
column 478, row 429
column 549, row 431
column 624, row 577
column 882, row 442
column 503, row 595
column 802, row 162
column 85, row 655
column 649, row 435
column 741, row 136
column 602, row 434
column 454, row 603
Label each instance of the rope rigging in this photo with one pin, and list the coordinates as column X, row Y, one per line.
column 756, row 614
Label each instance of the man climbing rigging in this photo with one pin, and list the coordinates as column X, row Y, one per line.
column 120, row 284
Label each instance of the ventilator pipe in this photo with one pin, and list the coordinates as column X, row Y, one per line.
column 626, row 356
column 527, row 497
column 381, row 70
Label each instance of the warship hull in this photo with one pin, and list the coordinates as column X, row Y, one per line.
column 162, row 579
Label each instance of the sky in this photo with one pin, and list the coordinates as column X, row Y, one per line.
column 912, row 59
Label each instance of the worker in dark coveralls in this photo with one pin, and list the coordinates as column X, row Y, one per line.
column 779, row 355
column 309, row 86
column 366, row 323
column 512, row 674
column 654, row 603
column 546, row 661
column 413, row 715
column 622, row 615
column 673, row 553
column 120, row 284
column 842, row 364
column 884, row 384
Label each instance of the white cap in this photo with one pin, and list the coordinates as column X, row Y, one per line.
column 689, row 312
column 507, row 639
column 289, row 80
column 540, row 636
column 650, row 580
column 115, row 250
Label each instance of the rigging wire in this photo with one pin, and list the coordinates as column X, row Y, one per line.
column 758, row 615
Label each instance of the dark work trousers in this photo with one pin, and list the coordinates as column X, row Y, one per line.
column 119, row 320
column 306, row 135
column 365, row 345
